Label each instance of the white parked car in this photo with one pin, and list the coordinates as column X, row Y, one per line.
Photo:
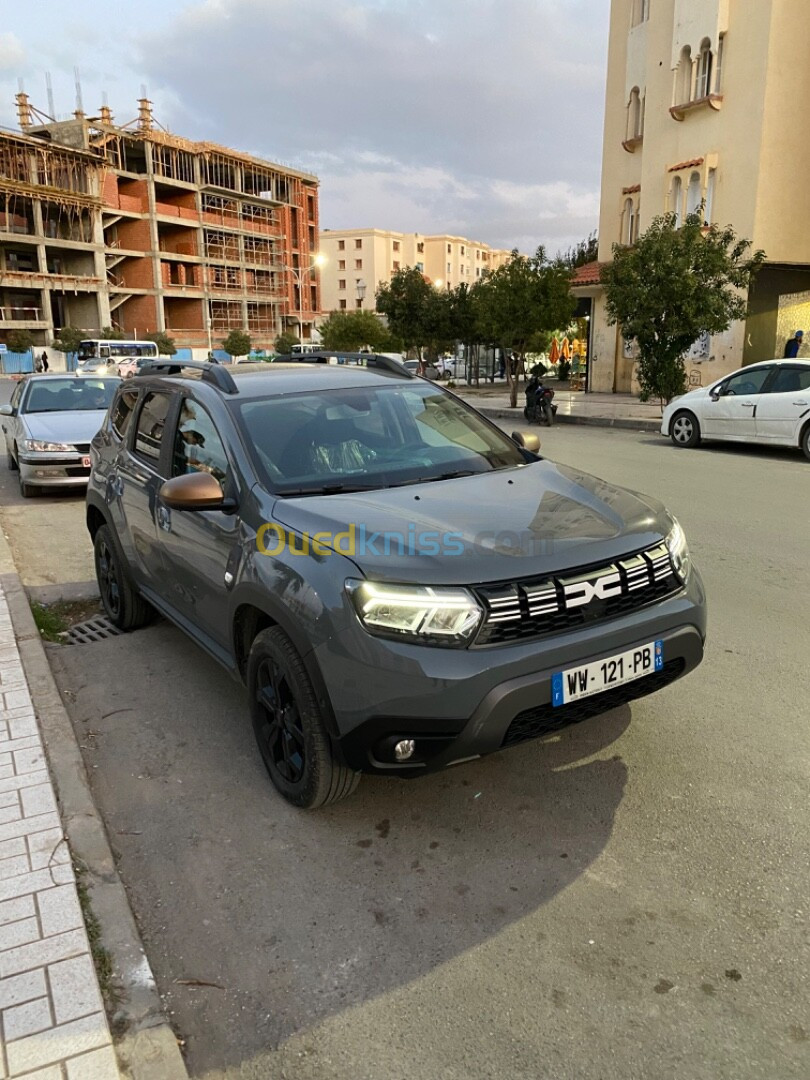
column 765, row 403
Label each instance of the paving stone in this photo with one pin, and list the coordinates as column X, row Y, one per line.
column 25, row 883
column 24, row 724
column 40, row 953
column 97, row 1065
column 38, row 799
column 28, row 760
column 25, row 825
column 18, row 908
column 14, row 846
column 20, row 932
column 46, row 848
column 15, row 699
column 10, row 813
column 22, row 1020
column 10, row 868
column 73, row 988
column 65, row 1041
column 50, row 1072
column 59, row 910
column 25, row 987
column 11, row 783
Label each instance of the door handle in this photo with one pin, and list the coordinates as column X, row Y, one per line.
column 748, row 404
column 801, row 404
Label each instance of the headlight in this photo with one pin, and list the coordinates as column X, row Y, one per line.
column 46, row 447
column 417, row 613
column 679, row 551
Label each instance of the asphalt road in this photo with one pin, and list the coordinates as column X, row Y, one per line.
column 624, row 900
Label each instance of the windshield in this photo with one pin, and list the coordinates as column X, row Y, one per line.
column 69, row 395
column 369, row 437
column 91, row 365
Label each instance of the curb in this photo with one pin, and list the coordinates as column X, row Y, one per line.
column 621, row 422
column 144, row 1042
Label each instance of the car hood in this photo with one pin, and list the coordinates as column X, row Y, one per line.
column 538, row 519
column 691, row 395
column 64, row 427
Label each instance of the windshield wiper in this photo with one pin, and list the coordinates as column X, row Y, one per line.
column 331, row 489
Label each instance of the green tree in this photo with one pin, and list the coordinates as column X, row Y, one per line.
column 350, row 330
column 164, row 343
column 404, row 300
column 584, row 252
column 20, row 341
column 672, row 285
column 237, row 343
column 525, row 295
column 285, row 342
column 112, row 333
column 68, row 339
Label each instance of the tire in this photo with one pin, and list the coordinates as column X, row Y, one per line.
column 684, row 430
column 123, row 605
column 12, row 461
column 548, row 415
column 805, row 442
column 289, row 727
column 26, row 490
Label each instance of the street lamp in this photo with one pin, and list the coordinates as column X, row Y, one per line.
column 298, row 274
column 361, row 290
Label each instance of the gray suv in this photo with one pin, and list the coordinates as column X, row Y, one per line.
column 399, row 584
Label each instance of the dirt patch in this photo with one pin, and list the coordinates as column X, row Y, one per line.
column 54, row 620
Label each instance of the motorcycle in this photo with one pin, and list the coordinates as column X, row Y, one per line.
column 539, row 408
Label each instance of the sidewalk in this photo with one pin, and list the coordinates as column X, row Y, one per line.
column 603, row 410
column 53, row 1019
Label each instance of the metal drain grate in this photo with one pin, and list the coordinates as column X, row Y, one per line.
column 95, row 629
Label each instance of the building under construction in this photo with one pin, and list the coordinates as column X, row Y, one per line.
column 141, row 230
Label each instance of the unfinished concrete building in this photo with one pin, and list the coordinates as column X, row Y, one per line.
column 156, row 232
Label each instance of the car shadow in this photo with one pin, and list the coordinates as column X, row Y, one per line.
column 296, row 916
column 732, row 449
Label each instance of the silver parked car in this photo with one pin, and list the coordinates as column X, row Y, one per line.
column 48, row 425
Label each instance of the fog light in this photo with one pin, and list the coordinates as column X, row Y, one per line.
column 404, row 749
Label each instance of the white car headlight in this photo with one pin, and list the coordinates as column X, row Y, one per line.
column 679, row 551
column 423, row 614
column 46, row 447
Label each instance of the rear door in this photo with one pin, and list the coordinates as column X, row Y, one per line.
column 732, row 413
column 143, row 466
column 785, row 405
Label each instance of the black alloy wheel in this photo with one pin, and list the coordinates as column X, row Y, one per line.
column 280, row 734
column 124, row 606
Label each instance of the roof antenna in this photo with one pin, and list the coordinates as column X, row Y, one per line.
column 49, row 88
column 79, row 113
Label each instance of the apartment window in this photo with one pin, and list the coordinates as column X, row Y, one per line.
column 341, row 245
column 704, row 74
column 641, row 11
column 420, row 266
column 342, row 264
column 396, row 245
column 676, row 200
column 462, row 249
column 683, row 77
column 634, row 115
column 396, row 266
column 478, row 254
column 342, row 305
column 358, row 243
column 420, row 249
column 449, row 249
column 342, row 283
column 628, row 222
column 358, row 264
column 710, row 182
column 358, row 303
column 693, row 193
column 449, row 267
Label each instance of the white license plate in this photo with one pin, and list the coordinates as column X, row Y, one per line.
column 85, row 462
column 580, row 682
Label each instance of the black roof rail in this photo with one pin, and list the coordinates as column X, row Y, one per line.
column 372, row 360
column 215, row 374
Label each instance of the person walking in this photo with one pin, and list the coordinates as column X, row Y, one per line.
column 44, row 360
column 793, row 346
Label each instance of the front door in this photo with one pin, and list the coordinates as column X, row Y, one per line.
column 729, row 413
column 201, row 548
column 786, row 404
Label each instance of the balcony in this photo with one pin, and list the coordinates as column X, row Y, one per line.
column 22, row 318
column 709, row 101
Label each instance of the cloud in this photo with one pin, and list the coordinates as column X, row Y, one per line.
column 12, row 53
column 477, row 116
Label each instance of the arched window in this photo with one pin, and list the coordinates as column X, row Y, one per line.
column 641, row 11
column 708, row 213
column 704, row 73
column 693, row 193
column 635, row 123
column 676, row 200
column 636, row 222
column 718, row 67
column 683, row 79
column 628, row 222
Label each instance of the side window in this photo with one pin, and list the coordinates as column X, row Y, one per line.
column 746, row 382
column 197, row 445
column 16, row 397
column 151, row 423
column 122, row 412
column 790, row 380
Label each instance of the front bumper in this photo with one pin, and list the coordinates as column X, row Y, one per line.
column 53, row 470
column 458, row 704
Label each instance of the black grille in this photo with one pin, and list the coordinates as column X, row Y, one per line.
column 77, row 470
column 543, row 719
column 82, row 447
column 537, row 607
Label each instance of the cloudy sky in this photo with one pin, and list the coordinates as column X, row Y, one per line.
column 476, row 117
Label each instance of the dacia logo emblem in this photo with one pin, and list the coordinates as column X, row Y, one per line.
column 580, row 593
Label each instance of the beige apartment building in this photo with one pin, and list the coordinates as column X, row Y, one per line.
column 707, row 101
column 358, row 260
